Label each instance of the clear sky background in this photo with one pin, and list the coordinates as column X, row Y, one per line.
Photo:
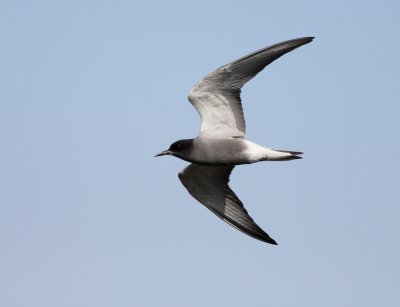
column 91, row 90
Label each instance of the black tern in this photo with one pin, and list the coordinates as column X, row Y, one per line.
column 222, row 142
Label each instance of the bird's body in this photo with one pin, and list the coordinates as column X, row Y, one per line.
column 231, row 151
column 222, row 141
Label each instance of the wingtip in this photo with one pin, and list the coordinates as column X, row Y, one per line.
column 307, row 39
column 272, row 241
column 303, row 40
column 269, row 240
column 291, row 44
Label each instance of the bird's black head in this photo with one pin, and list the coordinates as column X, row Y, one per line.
column 179, row 148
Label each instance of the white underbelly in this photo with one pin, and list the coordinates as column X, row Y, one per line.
column 255, row 152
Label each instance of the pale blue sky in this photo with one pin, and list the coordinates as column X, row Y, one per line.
column 91, row 90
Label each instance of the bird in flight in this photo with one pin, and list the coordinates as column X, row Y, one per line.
column 222, row 142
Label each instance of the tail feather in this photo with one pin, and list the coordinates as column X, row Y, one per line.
column 291, row 152
column 294, row 155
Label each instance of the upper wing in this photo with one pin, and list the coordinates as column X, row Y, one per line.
column 217, row 96
column 209, row 185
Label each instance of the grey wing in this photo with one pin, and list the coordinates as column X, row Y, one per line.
column 209, row 185
column 217, row 96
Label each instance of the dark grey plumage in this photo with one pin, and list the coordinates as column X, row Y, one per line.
column 217, row 96
column 209, row 185
column 221, row 144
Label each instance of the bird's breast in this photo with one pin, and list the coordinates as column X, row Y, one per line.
column 219, row 151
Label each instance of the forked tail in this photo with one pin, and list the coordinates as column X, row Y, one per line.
column 293, row 155
column 283, row 155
